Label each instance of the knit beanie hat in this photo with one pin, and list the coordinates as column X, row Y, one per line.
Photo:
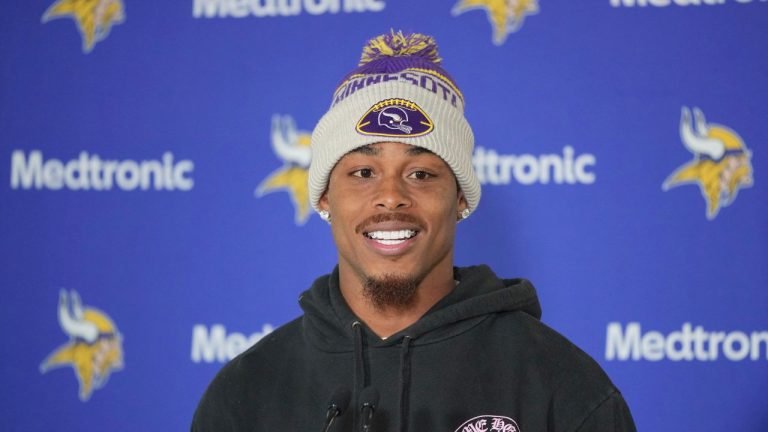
column 399, row 92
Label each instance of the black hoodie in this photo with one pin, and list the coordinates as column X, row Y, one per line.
column 480, row 358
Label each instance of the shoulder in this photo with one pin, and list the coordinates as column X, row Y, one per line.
column 611, row 415
column 557, row 351
column 532, row 341
column 246, row 378
column 580, row 392
column 280, row 341
column 284, row 342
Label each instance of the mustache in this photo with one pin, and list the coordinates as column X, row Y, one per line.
column 388, row 217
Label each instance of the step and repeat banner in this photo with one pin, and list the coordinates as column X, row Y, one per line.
column 154, row 215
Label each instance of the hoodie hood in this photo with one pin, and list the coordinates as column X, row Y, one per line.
column 329, row 322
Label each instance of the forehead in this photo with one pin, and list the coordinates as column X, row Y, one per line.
column 383, row 149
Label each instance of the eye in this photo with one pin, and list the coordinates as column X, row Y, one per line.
column 363, row 172
column 421, row 175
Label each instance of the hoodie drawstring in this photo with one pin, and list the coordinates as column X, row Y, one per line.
column 405, row 381
column 359, row 373
column 361, row 377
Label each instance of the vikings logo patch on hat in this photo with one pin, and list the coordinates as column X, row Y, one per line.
column 395, row 118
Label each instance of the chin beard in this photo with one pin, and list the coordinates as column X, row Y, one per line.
column 391, row 291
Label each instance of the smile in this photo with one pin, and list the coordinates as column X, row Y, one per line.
column 391, row 238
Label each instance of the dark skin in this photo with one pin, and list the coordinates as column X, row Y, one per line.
column 393, row 188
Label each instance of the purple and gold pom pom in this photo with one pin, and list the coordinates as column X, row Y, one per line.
column 397, row 44
column 395, row 52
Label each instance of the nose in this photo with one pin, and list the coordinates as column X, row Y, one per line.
column 393, row 194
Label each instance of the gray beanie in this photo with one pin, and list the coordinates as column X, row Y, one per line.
column 398, row 93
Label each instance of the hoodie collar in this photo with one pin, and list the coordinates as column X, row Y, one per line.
column 328, row 319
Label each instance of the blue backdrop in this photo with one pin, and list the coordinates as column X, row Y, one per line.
column 150, row 232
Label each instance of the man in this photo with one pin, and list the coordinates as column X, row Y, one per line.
column 446, row 349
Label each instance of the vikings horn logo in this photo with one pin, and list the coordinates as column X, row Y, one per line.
column 94, row 18
column 95, row 347
column 292, row 146
column 721, row 162
column 505, row 16
column 394, row 118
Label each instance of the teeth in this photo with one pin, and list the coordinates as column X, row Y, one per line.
column 391, row 236
column 390, row 242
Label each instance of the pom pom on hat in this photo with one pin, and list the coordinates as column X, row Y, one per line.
column 397, row 44
column 397, row 51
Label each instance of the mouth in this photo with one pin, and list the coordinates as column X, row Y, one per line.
column 391, row 234
column 391, row 238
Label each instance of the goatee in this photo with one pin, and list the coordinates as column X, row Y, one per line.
column 391, row 291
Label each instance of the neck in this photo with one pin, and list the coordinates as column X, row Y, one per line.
column 387, row 321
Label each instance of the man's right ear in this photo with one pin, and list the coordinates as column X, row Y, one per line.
column 322, row 205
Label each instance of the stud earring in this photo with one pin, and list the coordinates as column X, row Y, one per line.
column 465, row 213
column 324, row 215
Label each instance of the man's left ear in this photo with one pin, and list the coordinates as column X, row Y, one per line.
column 462, row 206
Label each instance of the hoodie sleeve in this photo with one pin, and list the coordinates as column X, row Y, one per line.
column 612, row 415
column 208, row 417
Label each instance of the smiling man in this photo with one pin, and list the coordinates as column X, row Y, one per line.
column 396, row 232
column 396, row 338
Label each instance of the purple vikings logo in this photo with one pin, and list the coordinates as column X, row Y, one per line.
column 489, row 423
column 395, row 118
column 95, row 347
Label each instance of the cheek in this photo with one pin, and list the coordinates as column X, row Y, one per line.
column 345, row 210
column 446, row 199
column 442, row 211
column 343, row 203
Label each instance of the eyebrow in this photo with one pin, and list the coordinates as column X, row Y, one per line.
column 414, row 151
column 368, row 150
